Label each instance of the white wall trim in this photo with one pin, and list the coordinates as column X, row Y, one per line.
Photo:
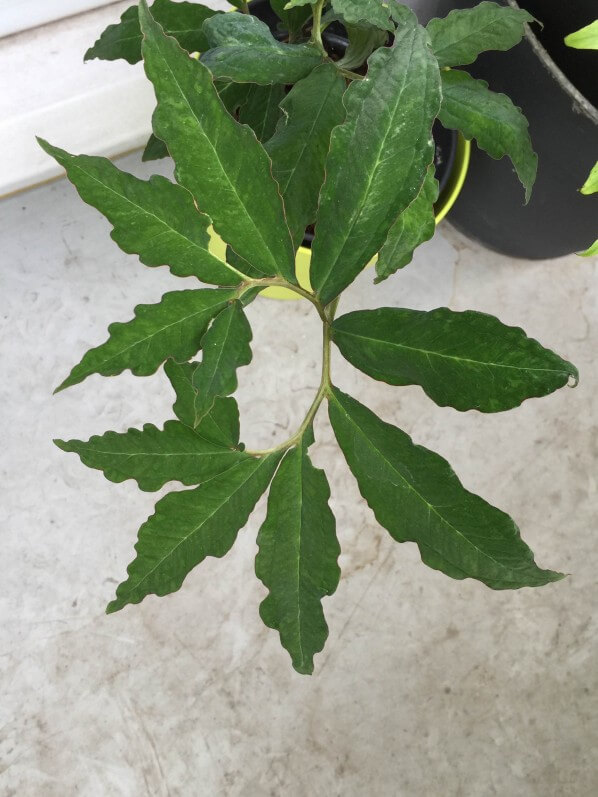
column 18, row 15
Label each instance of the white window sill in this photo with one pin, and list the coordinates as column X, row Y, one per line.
column 100, row 108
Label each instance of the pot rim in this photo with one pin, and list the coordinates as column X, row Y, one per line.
column 580, row 103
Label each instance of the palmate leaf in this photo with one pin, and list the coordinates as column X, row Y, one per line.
column 465, row 360
column 497, row 125
column 172, row 328
column 387, row 131
column 415, row 225
column 462, row 35
column 261, row 109
column 220, row 425
column 416, row 497
column 225, row 347
column 298, row 149
column 181, row 20
column 155, row 456
column 154, row 218
column 244, row 50
column 188, row 526
column 297, row 557
column 218, row 160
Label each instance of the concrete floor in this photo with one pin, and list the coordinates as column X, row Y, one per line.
column 427, row 687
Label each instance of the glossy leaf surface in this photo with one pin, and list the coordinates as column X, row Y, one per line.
column 416, row 497
column 497, row 125
column 172, row 328
column 300, row 145
column 181, row 20
column 225, row 347
column 371, row 11
column 154, row 456
column 462, row 35
column 297, row 557
column 154, row 218
column 463, row 360
column 218, row 160
column 388, row 131
column 415, row 225
column 244, row 50
column 189, row 525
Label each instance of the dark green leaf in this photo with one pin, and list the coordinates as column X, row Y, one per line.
column 297, row 557
column 300, row 145
column 233, row 95
column 188, row 526
column 181, row 20
column 378, row 159
column 220, row 424
column 154, row 219
column 244, row 50
column 498, row 126
column 172, row 328
column 293, row 19
column 154, row 149
column 363, row 40
column 415, row 225
column 464, row 360
column 225, row 347
column 218, row 160
column 371, row 11
column 465, row 33
column 261, row 110
column 417, row 497
column 154, row 456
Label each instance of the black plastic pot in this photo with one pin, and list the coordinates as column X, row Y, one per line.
column 335, row 40
column 564, row 131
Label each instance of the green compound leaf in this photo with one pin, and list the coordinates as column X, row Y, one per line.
column 416, row 497
column 371, row 11
column 154, row 219
column 460, row 37
column 244, row 50
column 154, row 456
column 154, row 149
column 387, row 131
column 297, row 557
column 172, row 328
column 220, row 424
column 261, row 110
column 181, row 20
column 585, row 38
column 225, row 347
column 300, row 145
column 498, row 126
column 463, row 360
column 415, row 225
column 188, row 526
column 591, row 184
column 220, row 161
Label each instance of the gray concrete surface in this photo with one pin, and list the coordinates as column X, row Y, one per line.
column 427, row 687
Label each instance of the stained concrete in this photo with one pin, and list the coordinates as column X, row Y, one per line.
column 427, row 687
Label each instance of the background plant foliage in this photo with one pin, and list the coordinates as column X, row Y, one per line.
column 269, row 135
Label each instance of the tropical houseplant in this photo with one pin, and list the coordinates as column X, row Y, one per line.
column 351, row 157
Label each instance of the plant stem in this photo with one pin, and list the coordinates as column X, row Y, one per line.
column 316, row 27
column 279, row 282
column 323, row 389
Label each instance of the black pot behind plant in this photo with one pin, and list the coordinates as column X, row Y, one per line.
column 564, row 131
